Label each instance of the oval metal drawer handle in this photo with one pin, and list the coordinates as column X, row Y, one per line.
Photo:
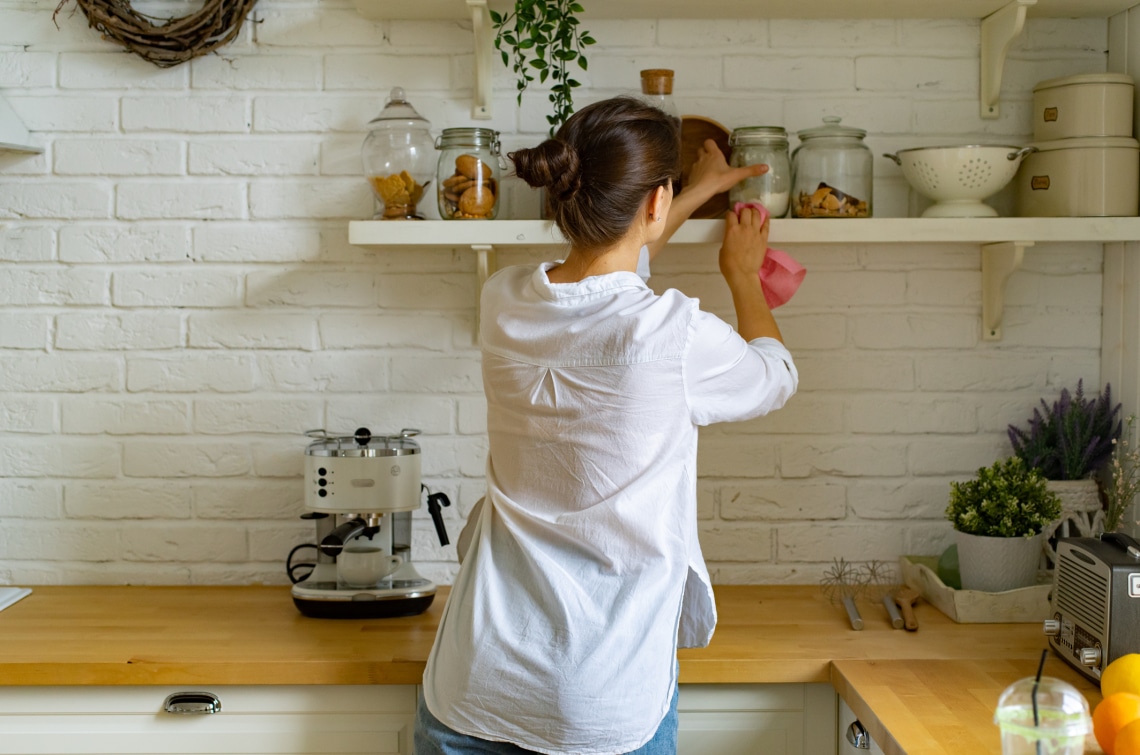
column 192, row 703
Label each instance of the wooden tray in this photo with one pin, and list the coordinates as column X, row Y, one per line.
column 1024, row 605
column 694, row 130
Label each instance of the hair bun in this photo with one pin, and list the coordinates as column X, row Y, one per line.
column 553, row 165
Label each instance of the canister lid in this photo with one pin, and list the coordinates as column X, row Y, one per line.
column 362, row 443
column 759, row 135
column 469, row 137
column 1088, row 142
column 1084, row 78
column 831, row 127
column 399, row 113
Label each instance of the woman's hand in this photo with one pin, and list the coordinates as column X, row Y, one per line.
column 712, row 175
column 745, row 244
column 741, row 256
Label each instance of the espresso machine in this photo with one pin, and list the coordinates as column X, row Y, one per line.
column 360, row 492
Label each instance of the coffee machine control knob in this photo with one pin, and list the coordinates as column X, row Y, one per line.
column 1090, row 657
column 362, row 436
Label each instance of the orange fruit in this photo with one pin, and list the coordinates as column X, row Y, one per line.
column 1112, row 714
column 1122, row 675
column 1128, row 739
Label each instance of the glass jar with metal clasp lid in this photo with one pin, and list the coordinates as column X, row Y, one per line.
column 767, row 145
column 467, row 175
column 831, row 172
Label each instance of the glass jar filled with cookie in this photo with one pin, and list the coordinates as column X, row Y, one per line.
column 467, row 175
column 399, row 158
column 831, row 172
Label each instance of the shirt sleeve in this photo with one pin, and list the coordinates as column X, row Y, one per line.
column 728, row 379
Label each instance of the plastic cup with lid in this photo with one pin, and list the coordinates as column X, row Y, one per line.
column 1046, row 717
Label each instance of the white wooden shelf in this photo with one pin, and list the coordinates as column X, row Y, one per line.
column 1003, row 241
column 816, row 9
column 542, row 233
column 1001, row 23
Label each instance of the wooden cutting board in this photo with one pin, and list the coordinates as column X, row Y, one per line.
column 695, row 129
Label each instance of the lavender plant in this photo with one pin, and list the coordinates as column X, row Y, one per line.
column 1072, row 439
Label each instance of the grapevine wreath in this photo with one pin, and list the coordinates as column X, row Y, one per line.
column 166, row 43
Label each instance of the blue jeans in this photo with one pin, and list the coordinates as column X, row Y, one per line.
column 435, row 738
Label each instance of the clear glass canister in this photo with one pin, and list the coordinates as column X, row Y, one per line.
column 468, row 174
column 831, row 172
column 767, row 145
column 399, row 158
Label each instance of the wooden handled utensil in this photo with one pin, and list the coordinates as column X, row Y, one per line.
column 906, row 597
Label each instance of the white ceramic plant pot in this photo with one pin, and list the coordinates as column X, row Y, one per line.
column 997, row 564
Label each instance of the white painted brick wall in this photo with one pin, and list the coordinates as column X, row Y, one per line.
column 179, row 301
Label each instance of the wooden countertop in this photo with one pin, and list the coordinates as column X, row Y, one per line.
column 917, row 692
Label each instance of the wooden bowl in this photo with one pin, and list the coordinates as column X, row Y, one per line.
column 695, row 129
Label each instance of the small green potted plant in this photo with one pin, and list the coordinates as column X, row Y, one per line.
column 999, row 518
column 544, row 37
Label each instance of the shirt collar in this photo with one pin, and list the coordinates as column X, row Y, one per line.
column 594, row 285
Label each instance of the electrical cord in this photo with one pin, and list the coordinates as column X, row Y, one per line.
column 291, row 567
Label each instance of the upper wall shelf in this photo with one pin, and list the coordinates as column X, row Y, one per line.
column 1003, row 241
column 541, row 233
column 1001, row 23
column 816, row 9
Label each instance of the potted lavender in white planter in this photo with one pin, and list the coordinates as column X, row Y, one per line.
column 1071, row 443
column 999, row 518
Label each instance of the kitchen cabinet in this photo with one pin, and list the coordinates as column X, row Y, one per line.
column 777, row 655
column 256, row 719
column 732, row 719
column 744, row 719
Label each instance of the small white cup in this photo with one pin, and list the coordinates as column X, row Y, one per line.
column 362, row 564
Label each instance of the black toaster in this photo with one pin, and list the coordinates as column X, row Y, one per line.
column 1096, row 601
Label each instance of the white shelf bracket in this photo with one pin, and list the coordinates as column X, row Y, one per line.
column 485, row 268
column 999, row 29
column 999, row 261
column 13, row 133
column 484, row 57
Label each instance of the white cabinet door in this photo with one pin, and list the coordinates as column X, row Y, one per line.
column 749, row 719
column 131, row 720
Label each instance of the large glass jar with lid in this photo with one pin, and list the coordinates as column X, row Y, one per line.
column 468, row 174
column 831, row 172
column 399, row 158
column 767, row 145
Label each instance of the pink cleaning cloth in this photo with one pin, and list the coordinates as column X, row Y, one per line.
column 780, row 274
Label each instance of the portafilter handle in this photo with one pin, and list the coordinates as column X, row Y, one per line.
column 434, row 502
column 333, row 543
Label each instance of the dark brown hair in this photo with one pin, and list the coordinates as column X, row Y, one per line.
column 601, row 166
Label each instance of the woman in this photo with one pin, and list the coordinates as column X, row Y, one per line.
column 584, row 572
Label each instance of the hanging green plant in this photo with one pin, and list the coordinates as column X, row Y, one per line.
column 544, row 37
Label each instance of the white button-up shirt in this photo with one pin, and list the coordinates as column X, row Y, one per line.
column 584, row 572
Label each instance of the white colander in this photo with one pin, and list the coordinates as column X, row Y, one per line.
column 959, row 178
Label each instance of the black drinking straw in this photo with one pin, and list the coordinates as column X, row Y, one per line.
column 1036, row 682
